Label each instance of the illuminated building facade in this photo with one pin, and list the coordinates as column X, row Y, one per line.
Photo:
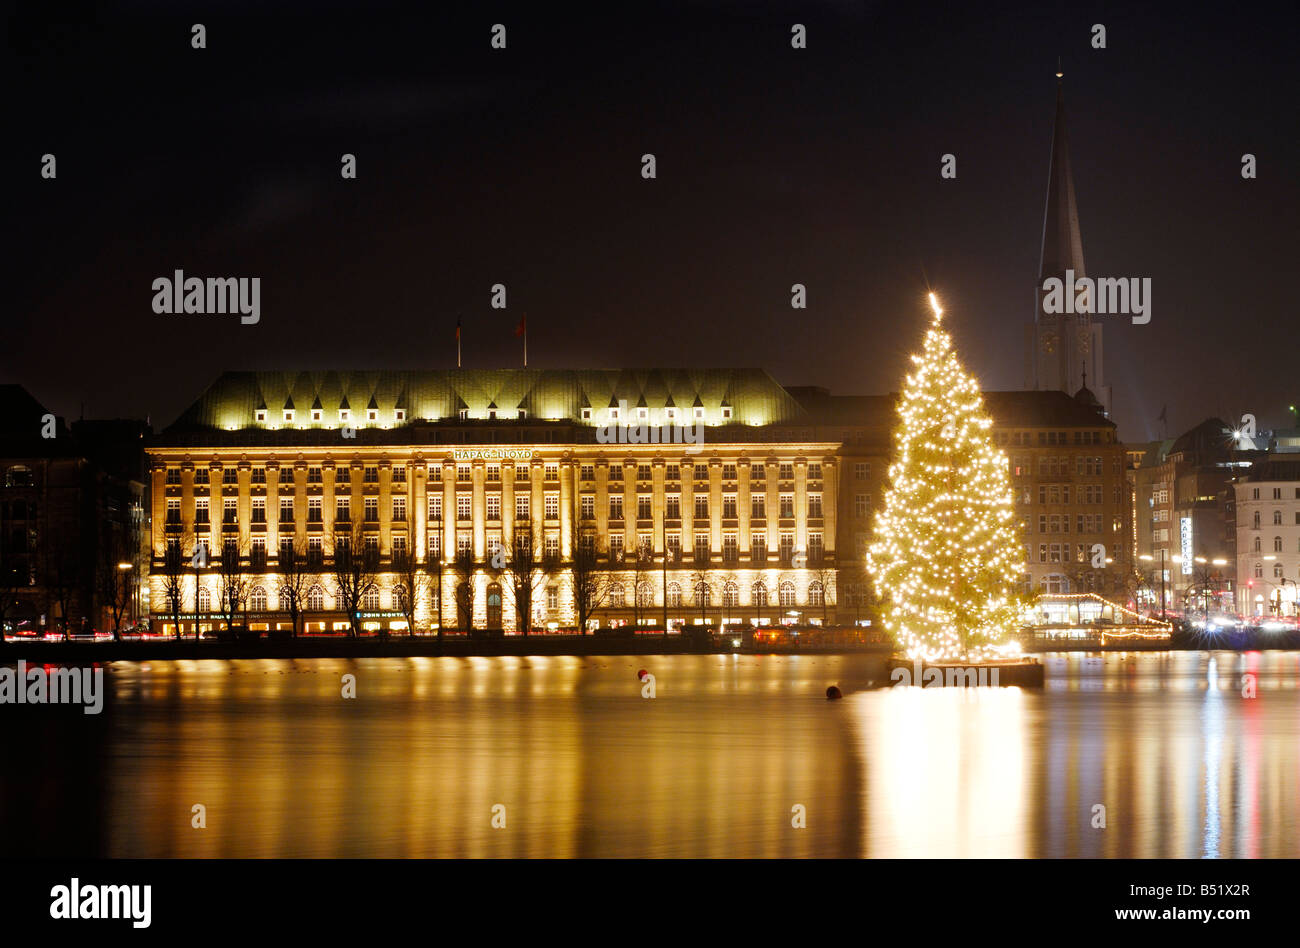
column 752, row 501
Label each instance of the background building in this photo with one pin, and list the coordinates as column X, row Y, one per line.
column 1268, row 537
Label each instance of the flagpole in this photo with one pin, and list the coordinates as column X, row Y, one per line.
column 458, row 343
column 525, row 340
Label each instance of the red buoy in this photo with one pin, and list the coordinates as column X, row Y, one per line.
column 641, row 674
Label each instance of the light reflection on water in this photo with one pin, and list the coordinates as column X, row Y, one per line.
column 1183, row 764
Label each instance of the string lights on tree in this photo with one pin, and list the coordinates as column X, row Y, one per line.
column 947, row 556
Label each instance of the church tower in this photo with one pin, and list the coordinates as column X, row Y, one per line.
column 1063, row 350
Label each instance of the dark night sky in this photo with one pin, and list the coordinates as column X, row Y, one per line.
column 522, row 166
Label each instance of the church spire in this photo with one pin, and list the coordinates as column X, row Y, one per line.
column 1062, row 247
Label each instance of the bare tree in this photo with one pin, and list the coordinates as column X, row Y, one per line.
column 463, row 568
column 590, row 583
column 13, row 577
column 114, row 585
column 233, row 581
column 702, row 591
column 355, row 570
column 173, row 583
column 413, row 575
column 524, row 575
column 62, row 579
column 296, row 575
column 823, row 573
column 642, row 564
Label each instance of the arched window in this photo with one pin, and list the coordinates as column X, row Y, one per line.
column 316, row 599
column 703, row 594
column 494, row 605
column 645, row 595
column 1257, row 547
column 18, row 476
column 370, row 598
column 816, row 594
column 1277, row 570
column 1259, row 570
column 399, row 598
column 257, row 599
column 786, row 592
column 674, row 596
column 1277, row 518
column 759, row 593
column 1256, row 519
column 205, row 600
column 1277, row 544
column 616, row 595
column 731, row 595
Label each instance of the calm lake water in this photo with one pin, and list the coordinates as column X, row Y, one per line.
column 584, row 766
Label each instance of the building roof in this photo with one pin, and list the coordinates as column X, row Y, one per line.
column 1062, row 246
column 434, row 396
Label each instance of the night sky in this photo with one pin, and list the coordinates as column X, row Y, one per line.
column 522, row 166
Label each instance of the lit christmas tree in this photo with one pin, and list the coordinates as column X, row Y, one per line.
column 947, row 554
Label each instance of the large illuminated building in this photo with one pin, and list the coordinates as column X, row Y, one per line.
column 703, row 495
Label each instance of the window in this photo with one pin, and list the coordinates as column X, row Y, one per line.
column 674, row 541
column 399, row 509
column 786, row 472
column 521, row 506
column 1277, row 493
column 371, row 514
column 673, row 507
column 316, row 599
column 587, row 472
column 758, row 548
column 494, row 473
column 521, row 473
column 259, row 510
column 370, row 599
column 674, row 596
column 673, row 472
column 200, row 510
column 787, row 506
column 701, row 472
column 728, row 472
column 814, row 472
column 313, row 475
column 343, row 475
column 816, row 552
column 757, row 471
column 400, row 600
column 586, row 416
column 644, row 507
column 201, row 475
column 643, row 472
column 464, row 473
column 257, row 556
column 862, row 506
column 588, row 507
column 342, row 510
column 787, row 593
column 464, row 506
column 645, row 595
column 730, row 594
column 551, row 547
column 730, row 549
column 493, row 507
column 258, row 475
column 616, row 507
column 816, row 594
column 1277, row 570
column 464, row 543
column 616, row 548
column 553, row 472
column 174, row 511
column 814, row 505
column 173, row 476
column 286, row 511
column 399, row 474
column 758, row 593
column 552, row 506
column 204, row 600
column 703, row 594
column 701, row 507
column 286, row 475
column 1277, row 518
column 435, row 507
column 758, row 506
column 616, row 595
column 699, row 412
column 729, row 506
column 229, row 475
column 786, row 550
column 701, row 549
column 1277, row 544
column 257, row 599
column 313, row 510
column 370, row 475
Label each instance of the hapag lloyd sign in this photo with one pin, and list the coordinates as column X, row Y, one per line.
column 1114, row 296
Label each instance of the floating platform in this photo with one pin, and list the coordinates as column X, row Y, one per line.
column 1021, row 673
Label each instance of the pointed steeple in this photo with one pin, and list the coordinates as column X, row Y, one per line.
column 1062, row 247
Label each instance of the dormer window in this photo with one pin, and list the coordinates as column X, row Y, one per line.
column 586, row 414
column 699, row 412
column 288, row 414
column 523, row 413
column 399, row 414
column 670, row 414
column 613, row 414
column 260, row 415
column 642, row 414
column 726, row 413
column 372, row 414
column 315, row 414
column 463, row 414
column 344, row 414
